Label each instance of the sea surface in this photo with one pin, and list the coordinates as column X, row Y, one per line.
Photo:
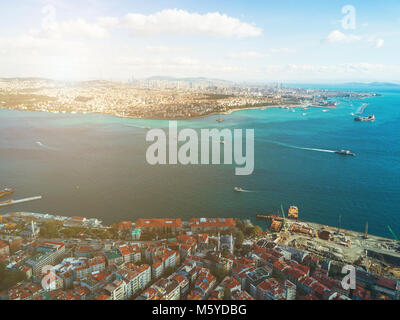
column 94, row 165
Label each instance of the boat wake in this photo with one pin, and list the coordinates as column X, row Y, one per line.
column 301, row 148
column 362, row 108
column 38, row 143
column 135, row 126
column 248, row 191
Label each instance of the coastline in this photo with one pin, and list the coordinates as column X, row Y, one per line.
column 315, row 225
column 230, row 111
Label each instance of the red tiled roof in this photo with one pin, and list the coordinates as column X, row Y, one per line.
column 124, row 224
column 78, row 218
column 83, row 248
column 193, row 296
column 3, row 244
column 386, row 283
column 212, row 222
column 230, row 283
column 59, row 245
column 203, row 237
column 158, row 223
column 179, row 278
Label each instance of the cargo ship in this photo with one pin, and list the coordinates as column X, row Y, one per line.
column 6, row 192
column 363, row 119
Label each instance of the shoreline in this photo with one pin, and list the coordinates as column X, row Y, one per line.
column 231, row 111
column 49, row 216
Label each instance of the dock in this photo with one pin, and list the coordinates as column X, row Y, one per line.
column 268, row 217
column 12, row 202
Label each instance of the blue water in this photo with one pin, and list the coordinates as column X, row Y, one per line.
column 94, row 166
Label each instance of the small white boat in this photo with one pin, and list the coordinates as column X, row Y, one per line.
column 238, row 189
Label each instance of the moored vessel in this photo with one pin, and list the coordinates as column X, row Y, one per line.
column 6, row 192
column 364, row 119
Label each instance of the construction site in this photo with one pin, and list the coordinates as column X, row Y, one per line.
column 376, row 254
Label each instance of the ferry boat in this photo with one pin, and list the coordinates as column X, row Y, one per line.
column 363, row 119
column 345, row 153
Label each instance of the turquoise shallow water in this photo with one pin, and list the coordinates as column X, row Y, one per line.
column 105, row 157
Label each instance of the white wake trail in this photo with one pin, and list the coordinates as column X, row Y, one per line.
column 38, row 143
column 301, row 148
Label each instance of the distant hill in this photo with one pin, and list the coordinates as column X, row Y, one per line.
column 26, row 79
column 372, row 84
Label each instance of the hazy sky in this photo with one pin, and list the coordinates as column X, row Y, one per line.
column 284, row 40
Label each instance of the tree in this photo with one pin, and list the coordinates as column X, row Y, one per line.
column 239, row 239
column 49, row 229
column 9, row 278
column 335, row 271
column 278, row 276
column 227, row 294
column 257, row 230
column 220, row 274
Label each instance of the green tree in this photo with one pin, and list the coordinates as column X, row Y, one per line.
column 227, row 294
column 49, row 229
column 257, row 230
column 9, row 278
column 239, row 239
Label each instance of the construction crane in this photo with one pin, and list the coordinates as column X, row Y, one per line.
column 284, row 218
column 393, row 234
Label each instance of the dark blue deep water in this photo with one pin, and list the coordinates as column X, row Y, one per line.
column 95, row 166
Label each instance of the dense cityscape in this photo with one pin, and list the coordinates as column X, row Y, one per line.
column 158, row 98
column 46, row 257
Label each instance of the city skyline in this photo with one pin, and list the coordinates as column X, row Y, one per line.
column 260, row 41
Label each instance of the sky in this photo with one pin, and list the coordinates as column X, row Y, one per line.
column 254, row 40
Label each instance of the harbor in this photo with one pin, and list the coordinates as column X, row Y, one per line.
column 378, row 254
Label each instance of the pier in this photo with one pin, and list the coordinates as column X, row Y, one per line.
column 268, row 217
column 12, row 202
